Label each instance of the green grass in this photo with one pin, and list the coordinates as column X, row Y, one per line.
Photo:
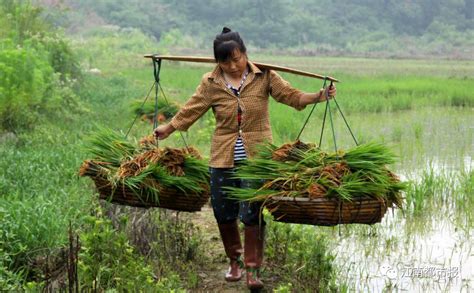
column 340, row 67
column 40, row 194
column 301, row 256
column 425, row 189
column 40, row 191
column 464, row 200
column 360, row 93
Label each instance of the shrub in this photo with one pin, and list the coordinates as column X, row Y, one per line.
column 108, row 261
column 39, row 70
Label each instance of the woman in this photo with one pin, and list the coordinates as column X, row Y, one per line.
column 237, row 91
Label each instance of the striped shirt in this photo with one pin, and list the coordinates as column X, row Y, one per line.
column 239, row 149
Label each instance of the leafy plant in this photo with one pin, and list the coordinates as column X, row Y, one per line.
column 39, row 70
column 9, row 281
column 107, row 261
column 300, row 256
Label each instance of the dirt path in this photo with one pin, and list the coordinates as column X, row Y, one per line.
column 212, row 276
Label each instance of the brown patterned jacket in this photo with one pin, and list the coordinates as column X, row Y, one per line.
column 213, row 93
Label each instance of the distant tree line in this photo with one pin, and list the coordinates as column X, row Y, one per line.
column 359, row 25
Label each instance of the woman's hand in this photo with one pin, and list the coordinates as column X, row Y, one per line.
column 330, row 92
column 163, row 131
column 318, row 97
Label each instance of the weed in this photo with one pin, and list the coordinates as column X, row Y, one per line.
column 107, row 260
column 299, row 255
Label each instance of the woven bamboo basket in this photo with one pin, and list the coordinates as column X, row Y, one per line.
column 168, row 198
column 327, row 211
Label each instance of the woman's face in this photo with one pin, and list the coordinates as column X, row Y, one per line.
column 235, row 65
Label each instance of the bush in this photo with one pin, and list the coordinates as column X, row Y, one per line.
column 25, row 85
column 108, row 261
column 39, row 71
column 169, row 241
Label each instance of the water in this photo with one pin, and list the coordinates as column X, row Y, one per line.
column 393, row 256
column 427, row 252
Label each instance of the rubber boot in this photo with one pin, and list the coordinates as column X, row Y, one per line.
column 253, row 255
column 233, row 248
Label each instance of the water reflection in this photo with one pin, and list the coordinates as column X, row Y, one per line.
column 410, row 253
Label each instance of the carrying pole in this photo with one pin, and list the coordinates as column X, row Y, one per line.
column 258, row 64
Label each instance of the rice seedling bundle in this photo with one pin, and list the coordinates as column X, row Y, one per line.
column 303, row 184
column 146, row 175
column 147, row 111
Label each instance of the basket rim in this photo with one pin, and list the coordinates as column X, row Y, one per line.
column 323, row 199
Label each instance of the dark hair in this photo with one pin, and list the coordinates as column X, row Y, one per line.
column 225, row 43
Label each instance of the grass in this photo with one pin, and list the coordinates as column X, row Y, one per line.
column 39, row 187
column 109, row 146
column 335, row 66
column 300, row 256
column 41, row 194
column 439, row 189
column 465, row 198
column 363, row 93
column 421, row 193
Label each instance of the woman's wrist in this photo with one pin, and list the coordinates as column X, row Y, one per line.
column 170, row 128
column 320, row 96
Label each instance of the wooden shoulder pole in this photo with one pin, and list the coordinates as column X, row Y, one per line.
column 258, row 64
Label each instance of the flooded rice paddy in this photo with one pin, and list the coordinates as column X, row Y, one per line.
column 427, row 246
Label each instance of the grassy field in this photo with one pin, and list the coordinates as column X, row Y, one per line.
column 421, row 108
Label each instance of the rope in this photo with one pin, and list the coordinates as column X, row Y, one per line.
column 158, row 87
column 323, row 125
column 141, row 107
column 328, row 109
column 180, row 133
column 156, row 74
column 306, row 121
column 310, row 113
column 345, row 121
column 330, row 120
